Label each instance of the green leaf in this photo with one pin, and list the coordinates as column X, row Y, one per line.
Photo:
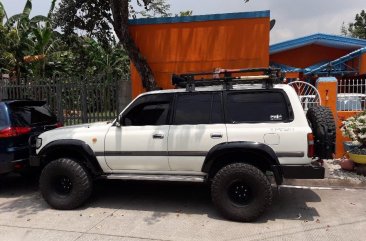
column 39, row 18
column 27, row 8
column 13, row 19
column 3, row 13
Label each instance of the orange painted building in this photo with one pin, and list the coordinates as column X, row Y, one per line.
column 317, row 55
column 200, row 43
column 320, row 55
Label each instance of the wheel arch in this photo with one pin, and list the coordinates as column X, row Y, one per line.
column 257, row 154
column 76, row 149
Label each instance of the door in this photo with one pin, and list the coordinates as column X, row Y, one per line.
column 197, row 126
column 141, row 142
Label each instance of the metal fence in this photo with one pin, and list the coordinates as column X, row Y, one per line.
column 351, row 94
column 74, row 100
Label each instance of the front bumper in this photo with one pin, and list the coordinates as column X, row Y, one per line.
column 303, row 171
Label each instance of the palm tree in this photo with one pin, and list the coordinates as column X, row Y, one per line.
column 31, row 39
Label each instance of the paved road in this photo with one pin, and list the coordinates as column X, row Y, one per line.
column 177, row 211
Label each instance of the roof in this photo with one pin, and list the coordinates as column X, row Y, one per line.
column 215, row 88
column 201, row 18
column 328, row 40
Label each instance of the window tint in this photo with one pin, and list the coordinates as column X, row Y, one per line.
column 257, row 107
column 216, row 109
column 4, row 121
column 198, row 108
column 147, row 114
column 24, row 114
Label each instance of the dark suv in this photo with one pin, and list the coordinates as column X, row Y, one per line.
column 20, row 120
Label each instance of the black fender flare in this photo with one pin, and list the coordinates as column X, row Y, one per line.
column 268, row 154
column 78, row 146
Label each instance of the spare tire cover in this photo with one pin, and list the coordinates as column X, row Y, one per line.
column 324, row 130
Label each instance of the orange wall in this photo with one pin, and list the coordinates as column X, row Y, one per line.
column 308, row 55
column 363, row 64
column 200, row 46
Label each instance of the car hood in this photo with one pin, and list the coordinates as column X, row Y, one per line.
column 85, row 132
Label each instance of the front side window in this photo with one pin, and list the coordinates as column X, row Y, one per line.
column 257, row 107
column 151, row 114
column 149, row 110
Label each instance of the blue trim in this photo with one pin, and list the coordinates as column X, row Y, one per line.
column 200, row 18
column 339, row 61
column 290, row 69
column 319, row 38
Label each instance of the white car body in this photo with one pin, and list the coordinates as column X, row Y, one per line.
column 287, row 139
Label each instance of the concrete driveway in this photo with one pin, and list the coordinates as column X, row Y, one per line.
column 177, row 211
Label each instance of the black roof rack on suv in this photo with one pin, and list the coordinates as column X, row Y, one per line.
column 224, row 77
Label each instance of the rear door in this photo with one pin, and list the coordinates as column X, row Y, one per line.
column 198, row 125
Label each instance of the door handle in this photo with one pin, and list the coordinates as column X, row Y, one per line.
column 216, row 135
column 158, row 136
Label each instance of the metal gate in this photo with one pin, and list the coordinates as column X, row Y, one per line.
column 351, row 94
column 73, row 100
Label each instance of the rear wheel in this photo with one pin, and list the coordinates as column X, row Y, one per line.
column 324, row 130
column 65, row 184
column 241, row 192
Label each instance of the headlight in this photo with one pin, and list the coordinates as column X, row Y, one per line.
column 38, row 143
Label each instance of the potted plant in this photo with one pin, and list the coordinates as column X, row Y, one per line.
column 355, row 129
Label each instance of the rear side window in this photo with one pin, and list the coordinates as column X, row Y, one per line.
column 4, row 120
column 257, row 107
column 198, row 108
column 31, row 114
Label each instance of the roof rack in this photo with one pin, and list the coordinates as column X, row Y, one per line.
column 224, row 77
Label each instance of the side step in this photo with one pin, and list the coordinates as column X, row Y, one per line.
column 171, row 178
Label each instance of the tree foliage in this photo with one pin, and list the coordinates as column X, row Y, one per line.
column 357, row 29
column 100, row 19
column 30, row 46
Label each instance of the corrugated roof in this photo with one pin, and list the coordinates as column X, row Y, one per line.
column 201, row 18
column 320, row 39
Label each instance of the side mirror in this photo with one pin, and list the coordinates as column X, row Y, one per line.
column 118, row 121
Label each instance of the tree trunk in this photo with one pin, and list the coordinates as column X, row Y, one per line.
column 120, row 12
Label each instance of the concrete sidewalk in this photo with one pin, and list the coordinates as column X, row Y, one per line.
column 177, row 211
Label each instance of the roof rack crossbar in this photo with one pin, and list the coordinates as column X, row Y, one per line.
column 225, row 78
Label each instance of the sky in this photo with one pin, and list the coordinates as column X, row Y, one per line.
column 294, row 18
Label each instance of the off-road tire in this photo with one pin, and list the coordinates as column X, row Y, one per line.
column 251, row 177
column 324, row 130
column 52, row 184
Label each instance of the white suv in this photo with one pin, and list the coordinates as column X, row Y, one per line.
column 233, row 137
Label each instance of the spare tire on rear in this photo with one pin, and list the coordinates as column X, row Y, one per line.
column 324, row 130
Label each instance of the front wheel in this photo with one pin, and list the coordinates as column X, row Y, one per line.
column 241, row 192
column 65, row 184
